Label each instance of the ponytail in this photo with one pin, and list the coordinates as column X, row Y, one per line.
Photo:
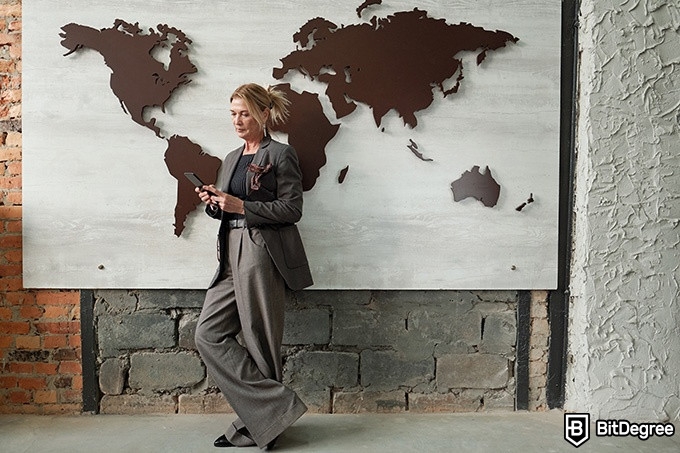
column 278, row 106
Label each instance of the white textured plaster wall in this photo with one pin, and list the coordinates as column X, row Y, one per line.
column 624, row 334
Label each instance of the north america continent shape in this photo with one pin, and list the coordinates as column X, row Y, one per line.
column 139, row 81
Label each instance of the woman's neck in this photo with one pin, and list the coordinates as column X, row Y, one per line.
column 252, row 146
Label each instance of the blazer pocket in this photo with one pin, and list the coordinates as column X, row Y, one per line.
column 261, row 194
column 266, row 190
column 268, row 182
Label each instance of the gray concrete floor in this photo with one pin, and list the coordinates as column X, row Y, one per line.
column 488, row 432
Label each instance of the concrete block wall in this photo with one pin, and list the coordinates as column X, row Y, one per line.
column 344, row 351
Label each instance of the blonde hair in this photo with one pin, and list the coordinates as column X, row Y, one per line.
column 258, row 99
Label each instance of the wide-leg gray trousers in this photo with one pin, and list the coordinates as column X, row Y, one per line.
column 248, row 298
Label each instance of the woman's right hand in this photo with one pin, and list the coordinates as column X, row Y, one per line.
column 204, row 195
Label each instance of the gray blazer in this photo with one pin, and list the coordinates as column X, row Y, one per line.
column 273, row 208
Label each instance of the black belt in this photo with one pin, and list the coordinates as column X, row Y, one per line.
column 237, row 223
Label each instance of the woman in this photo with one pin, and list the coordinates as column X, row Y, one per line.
column 260, row 253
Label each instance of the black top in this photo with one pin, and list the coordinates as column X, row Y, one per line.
column 238, row 184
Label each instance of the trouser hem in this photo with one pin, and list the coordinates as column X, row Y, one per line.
column 280, row 425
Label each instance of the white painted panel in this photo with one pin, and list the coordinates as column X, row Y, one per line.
column 96, row 190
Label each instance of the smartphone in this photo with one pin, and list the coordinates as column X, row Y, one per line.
column 197, row 181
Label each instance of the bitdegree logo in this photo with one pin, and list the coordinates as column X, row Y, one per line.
column 577, row 429
column 624, row 428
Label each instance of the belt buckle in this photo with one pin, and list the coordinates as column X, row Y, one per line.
column 237, row 223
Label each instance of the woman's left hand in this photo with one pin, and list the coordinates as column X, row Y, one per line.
column 226, row 202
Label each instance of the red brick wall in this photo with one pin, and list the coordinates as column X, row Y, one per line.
column 39, row 329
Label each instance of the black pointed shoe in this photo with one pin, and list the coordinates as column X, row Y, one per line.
column 272, row 444
column 222, row 442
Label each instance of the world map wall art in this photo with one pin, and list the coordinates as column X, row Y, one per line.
column 427, row 133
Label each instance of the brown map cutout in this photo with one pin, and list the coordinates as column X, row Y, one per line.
column 526, row 203
column 309, row 132
column 366, row 4
column 413, row 146
column 391, row 63
column 184, row 155
column 343, row 174
column 480, row 186
column 137, row 79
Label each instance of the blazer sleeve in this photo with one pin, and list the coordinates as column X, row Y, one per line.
column 286, row 206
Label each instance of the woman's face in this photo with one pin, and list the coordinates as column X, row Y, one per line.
column 245, row 125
